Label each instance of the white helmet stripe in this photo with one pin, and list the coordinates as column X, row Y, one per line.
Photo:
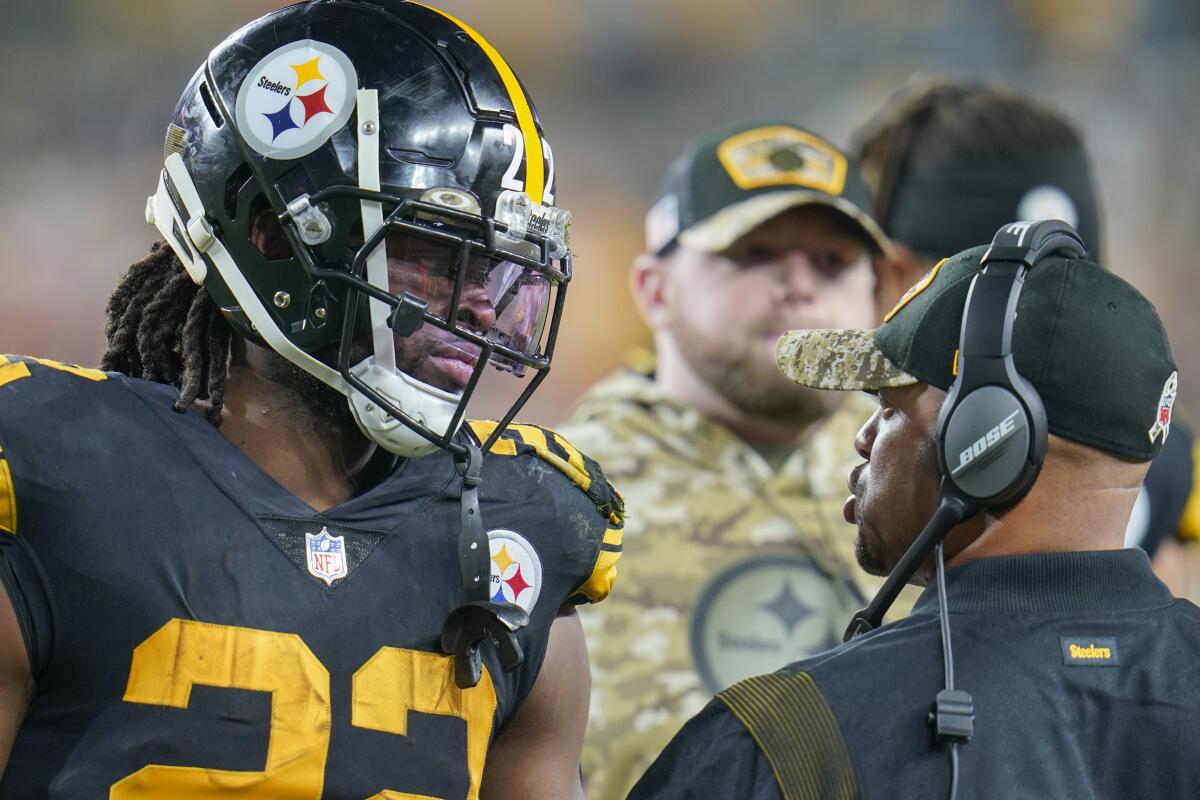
column 247, row 299
column 372, row 219
column 162, row 214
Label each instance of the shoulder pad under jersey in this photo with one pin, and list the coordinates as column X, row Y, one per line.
column 585, row 474
column 37, row 379
column 521, row 439
column 15, row 368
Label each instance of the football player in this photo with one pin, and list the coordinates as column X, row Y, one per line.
column 260, row 554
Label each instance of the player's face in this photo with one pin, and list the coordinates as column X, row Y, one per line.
column 895, row 491
column 802, row 269
column 500, row 301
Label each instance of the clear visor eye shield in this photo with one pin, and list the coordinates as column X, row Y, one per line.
column 449, row 292
column 442, row 289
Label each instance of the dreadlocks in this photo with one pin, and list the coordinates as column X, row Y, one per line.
column 163, row 328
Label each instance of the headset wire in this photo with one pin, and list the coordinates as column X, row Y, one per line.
column 947, row 658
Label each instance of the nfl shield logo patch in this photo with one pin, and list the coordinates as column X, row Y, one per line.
column 326, row 555
column 1166, row 402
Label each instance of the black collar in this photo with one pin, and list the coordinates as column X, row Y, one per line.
column 1103, row 580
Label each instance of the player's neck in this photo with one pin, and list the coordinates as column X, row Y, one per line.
column 306, row 451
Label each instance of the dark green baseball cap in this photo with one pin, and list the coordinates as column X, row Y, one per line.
column 1091, row 344
column 728, row 182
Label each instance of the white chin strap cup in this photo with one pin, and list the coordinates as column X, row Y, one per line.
column 425, row 404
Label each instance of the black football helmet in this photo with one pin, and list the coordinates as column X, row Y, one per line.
column 364, row 187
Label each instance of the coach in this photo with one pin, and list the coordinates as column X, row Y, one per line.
column 1081, row 668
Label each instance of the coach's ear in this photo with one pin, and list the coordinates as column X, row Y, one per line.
column 894, row 274
column 648, row 281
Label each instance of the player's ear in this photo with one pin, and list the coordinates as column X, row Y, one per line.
column 894, row 274
column 648, row 281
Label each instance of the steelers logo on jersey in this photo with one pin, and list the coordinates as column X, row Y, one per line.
column 516, row 569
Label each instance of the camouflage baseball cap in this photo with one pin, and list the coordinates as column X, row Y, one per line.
column 728, row 182
column 1091, row 344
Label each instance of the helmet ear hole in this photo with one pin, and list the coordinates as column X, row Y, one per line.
column 266, row 233
column 210, row 104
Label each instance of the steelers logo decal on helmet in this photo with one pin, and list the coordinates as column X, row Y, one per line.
column 296, row 98
column 516, row 569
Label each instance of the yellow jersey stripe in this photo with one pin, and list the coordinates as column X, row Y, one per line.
column 573, row 468
column 574, row 457
column 1189, row 522
column 535, row 165
column 8, row 498
column 613, row 536
column 797, row 732
column 73, row 369
column 604, row 574
column 13, row 371
column 532, row 436
column 483, row 428
column 16, row 370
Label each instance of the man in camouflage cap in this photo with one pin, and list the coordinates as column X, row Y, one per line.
column 737, row 559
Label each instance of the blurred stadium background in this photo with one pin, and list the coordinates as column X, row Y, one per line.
column 620, row 84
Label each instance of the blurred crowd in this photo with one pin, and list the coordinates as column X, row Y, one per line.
column 621, row 84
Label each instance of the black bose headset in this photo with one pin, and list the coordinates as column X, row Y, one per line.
column 991, row 439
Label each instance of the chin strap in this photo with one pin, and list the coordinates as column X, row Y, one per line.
column 474, row 558
column 480, row 619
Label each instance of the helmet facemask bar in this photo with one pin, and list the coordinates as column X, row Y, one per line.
column 472, row 236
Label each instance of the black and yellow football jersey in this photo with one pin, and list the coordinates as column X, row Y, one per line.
column 195, row 630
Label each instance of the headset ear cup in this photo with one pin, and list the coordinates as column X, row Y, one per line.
column 991, row 444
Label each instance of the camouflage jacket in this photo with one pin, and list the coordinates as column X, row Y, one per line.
column 730, row 568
